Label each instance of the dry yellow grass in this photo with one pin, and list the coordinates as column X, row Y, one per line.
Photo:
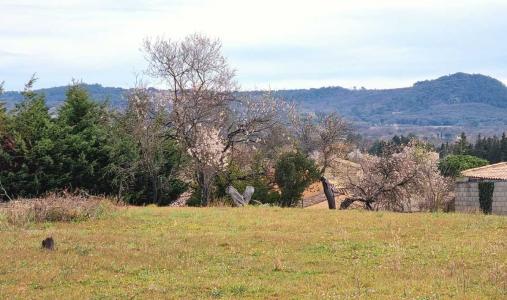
column 53, row 208
column 256, row 252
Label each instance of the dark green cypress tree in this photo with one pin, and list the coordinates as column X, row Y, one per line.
column 463, row 147
column 81, row 137
column 503, row 146
column 494, row 150
column 29, row 170
column 4, row 155
column 478, row 149
column 3, row 113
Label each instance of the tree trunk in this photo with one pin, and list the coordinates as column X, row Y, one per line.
column 328, row 191
column 154, row 186
column 204, row 184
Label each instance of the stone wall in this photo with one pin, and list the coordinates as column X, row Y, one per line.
column 467, row 197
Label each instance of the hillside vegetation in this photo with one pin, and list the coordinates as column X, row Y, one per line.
column 434, row 108
column 444, row 106
column 258, row 252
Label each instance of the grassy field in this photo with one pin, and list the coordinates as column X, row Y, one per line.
column 253, row 252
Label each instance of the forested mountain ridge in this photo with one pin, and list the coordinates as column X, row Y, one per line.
column 444, row 106
column 450, row 100
column 56, row 95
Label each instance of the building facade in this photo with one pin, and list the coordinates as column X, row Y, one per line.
column 468, row 189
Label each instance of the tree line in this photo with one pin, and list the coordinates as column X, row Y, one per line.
column 200, row 136
column 492, row 148
column 454, row 157
column 83, row 146
column 136, row 154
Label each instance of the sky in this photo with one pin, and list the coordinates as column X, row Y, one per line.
column 273, row 44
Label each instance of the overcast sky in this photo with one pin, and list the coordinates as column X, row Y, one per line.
column 272, row 43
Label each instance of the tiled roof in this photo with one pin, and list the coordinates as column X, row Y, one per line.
column 494, row 172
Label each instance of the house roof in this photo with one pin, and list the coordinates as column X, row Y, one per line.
column 495, row 172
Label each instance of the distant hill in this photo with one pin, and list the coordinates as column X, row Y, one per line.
column 56, row 95
column 448, row 100
column 438, row 108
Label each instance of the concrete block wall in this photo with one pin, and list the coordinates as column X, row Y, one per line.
column 467, row 197
column 500, row 198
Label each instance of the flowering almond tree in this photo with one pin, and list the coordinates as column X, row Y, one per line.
column 436, row 190
column 205, row 115
column 210, row 155
column 393, row 181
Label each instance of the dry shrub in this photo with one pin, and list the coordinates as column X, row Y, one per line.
column 278, row 265
column 498, row 276
column 62, row 207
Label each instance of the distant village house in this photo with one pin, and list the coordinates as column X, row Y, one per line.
column 483, row 189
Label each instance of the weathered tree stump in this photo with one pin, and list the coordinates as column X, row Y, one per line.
column 328, row 191
column 237, row 198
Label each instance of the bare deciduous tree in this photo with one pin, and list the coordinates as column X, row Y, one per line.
column 206, row 117
column 323, row 137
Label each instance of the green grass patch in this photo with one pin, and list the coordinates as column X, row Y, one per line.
column 257, row 252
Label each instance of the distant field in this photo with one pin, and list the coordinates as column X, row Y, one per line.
column 253, row 252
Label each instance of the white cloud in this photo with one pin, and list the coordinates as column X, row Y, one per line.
column 271, row 43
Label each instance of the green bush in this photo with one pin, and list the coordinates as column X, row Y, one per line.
column 294, row 173
column 195, row 198
column 453, row 165
column 486, row 190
